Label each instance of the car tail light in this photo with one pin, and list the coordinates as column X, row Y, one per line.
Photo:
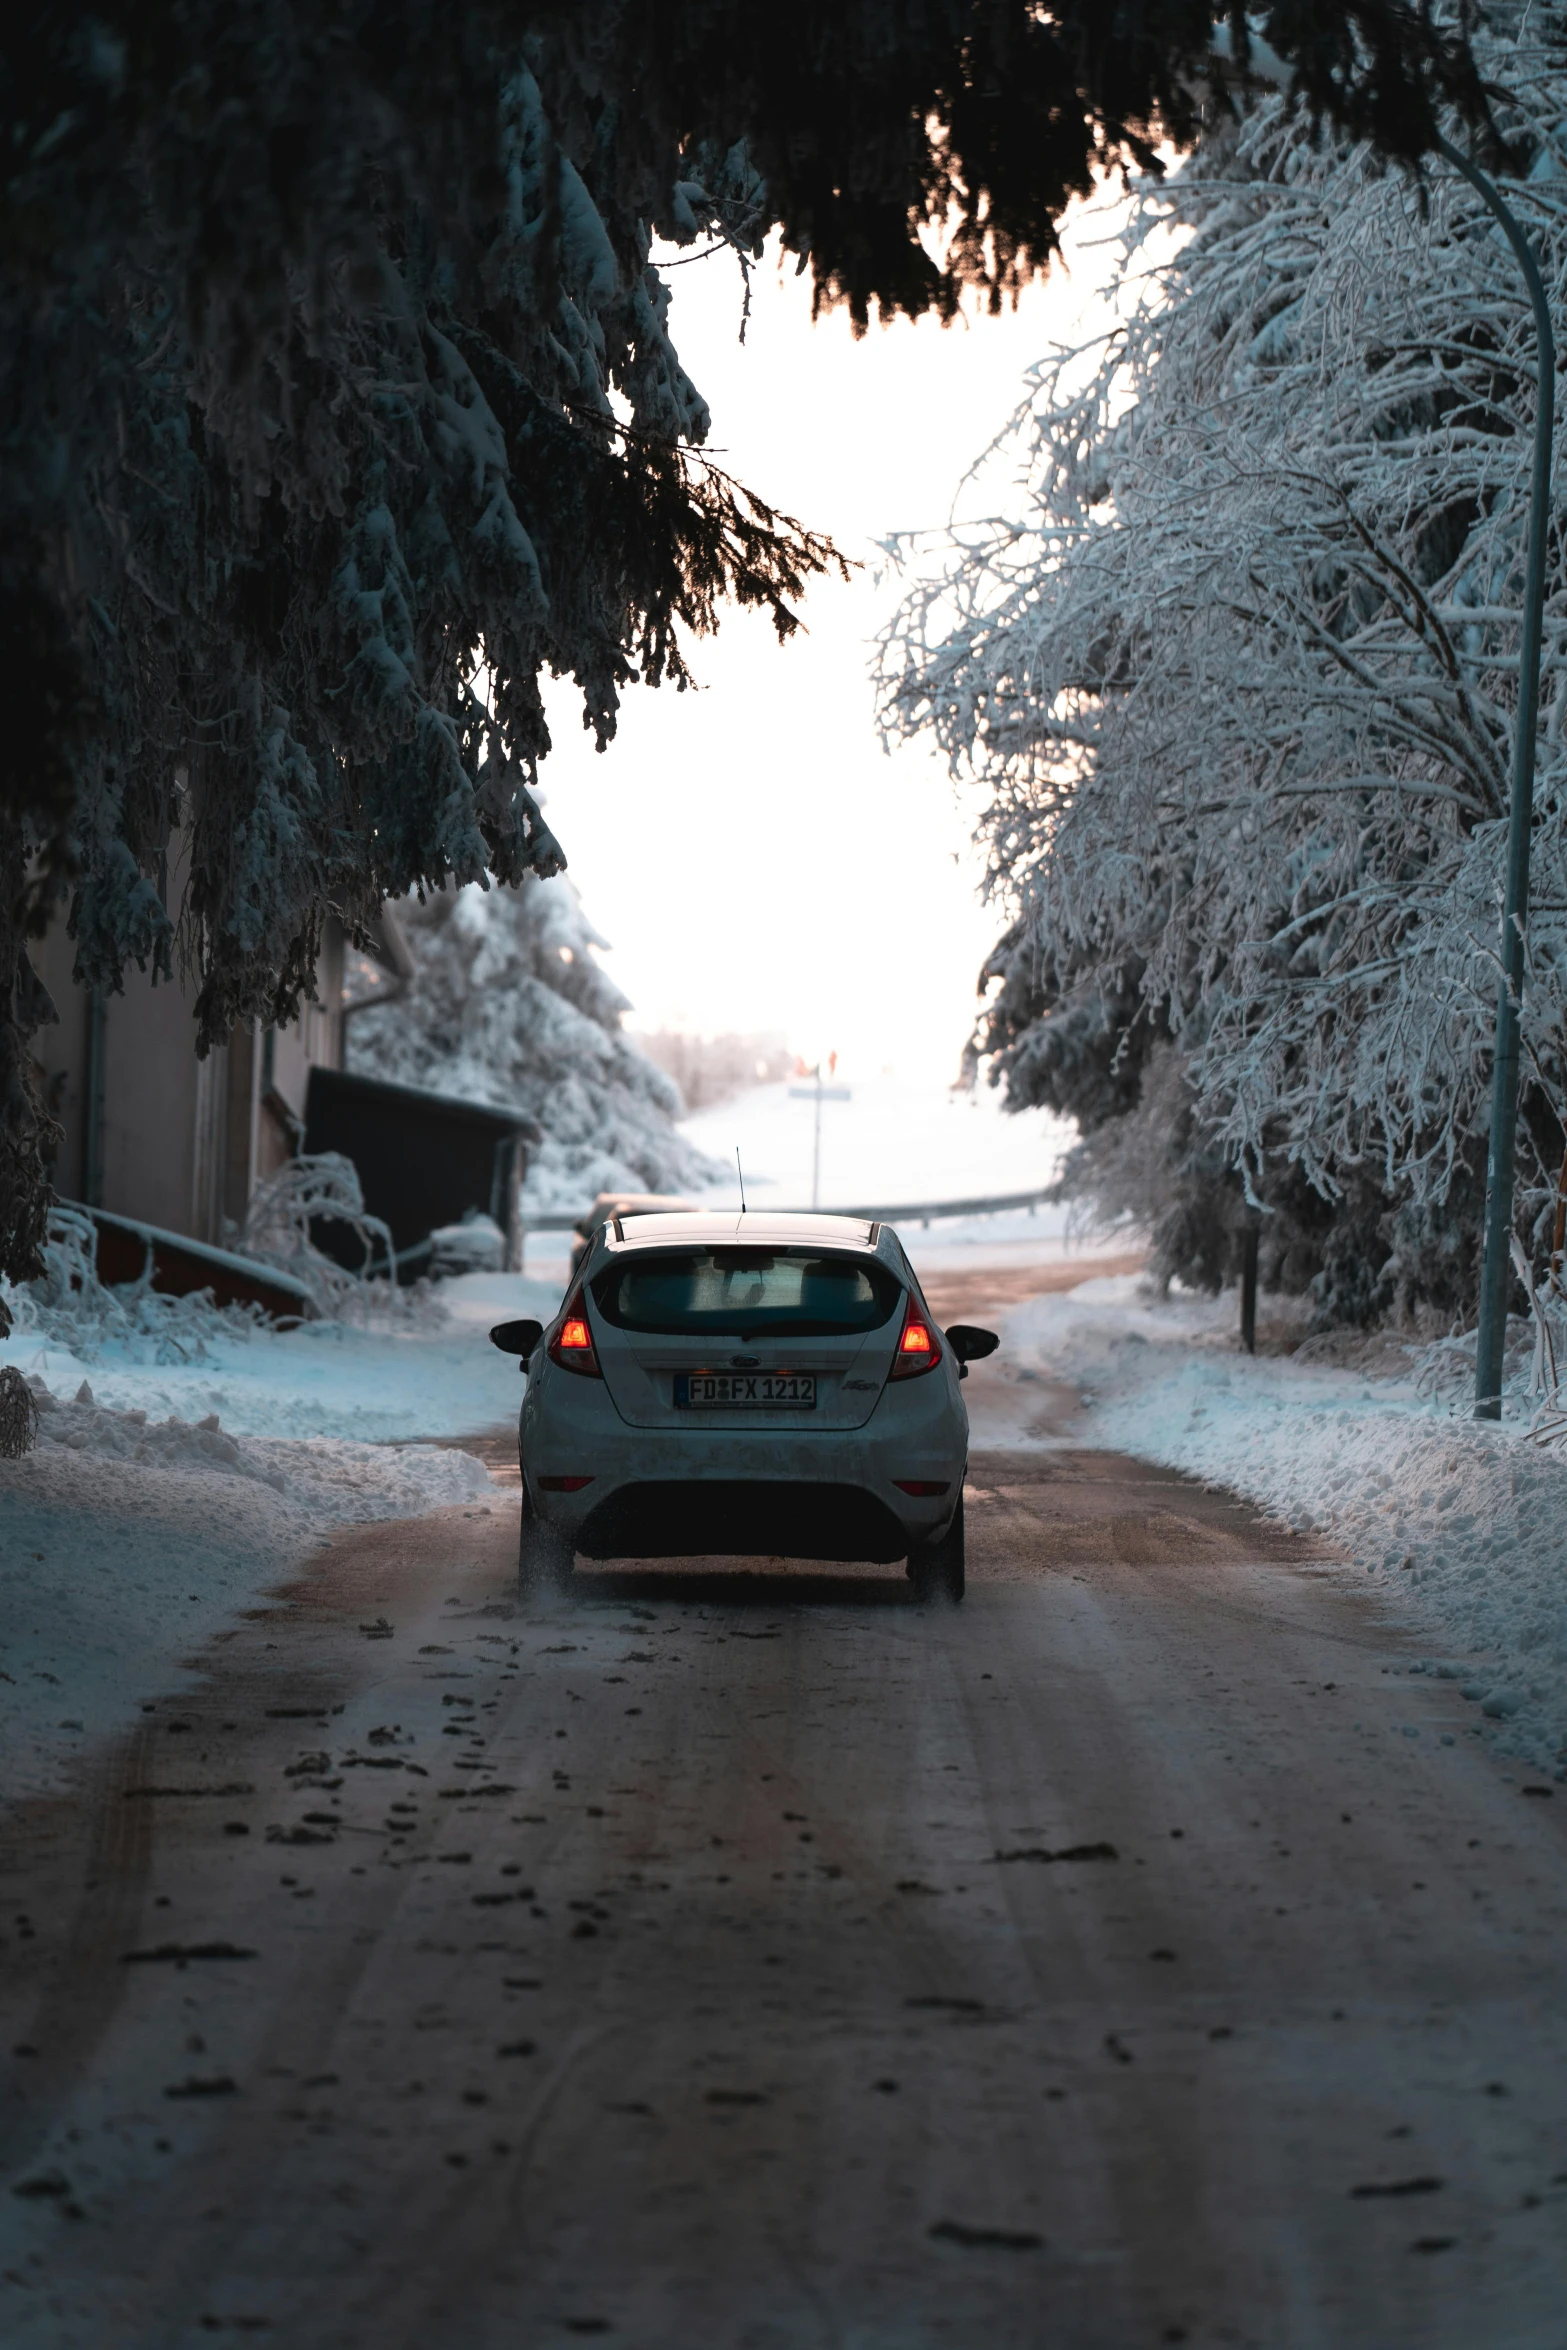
column 575, row 1484
column 572, row 1345
column 923, row 1488
column 917, row 1346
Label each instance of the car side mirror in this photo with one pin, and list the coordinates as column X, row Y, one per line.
column 971, row 1345
column 517, row 1338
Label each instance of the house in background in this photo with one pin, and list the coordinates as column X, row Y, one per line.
column 156, row 1135
column 167, row 1151
column 426, row 1163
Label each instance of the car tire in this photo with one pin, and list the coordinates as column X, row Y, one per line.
column 936, row 1568
column 545, row 1558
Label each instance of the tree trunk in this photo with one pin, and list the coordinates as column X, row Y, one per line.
column 1249, row 1288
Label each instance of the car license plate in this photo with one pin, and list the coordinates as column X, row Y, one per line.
column 746, row 1391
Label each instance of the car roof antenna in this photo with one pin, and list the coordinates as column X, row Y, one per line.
column 740, row 1171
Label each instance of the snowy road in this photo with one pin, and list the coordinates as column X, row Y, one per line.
column 758, row 1961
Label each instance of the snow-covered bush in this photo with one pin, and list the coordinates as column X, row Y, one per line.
column 1237, row 667
column 18, row 1414
column 510, row 1005
column 324, row 1187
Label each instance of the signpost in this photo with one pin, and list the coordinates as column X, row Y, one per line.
column 818, row 1093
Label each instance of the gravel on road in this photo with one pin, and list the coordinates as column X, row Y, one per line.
column 744, row 1955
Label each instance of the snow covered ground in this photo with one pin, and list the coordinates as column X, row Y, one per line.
column 161, row 1498
column 1461, row 1524
column 167, row 1494
column 895, row 1139
column 375, row 1386
column 954, row 1244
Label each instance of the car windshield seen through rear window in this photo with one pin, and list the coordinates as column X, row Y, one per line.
column 746, row 1293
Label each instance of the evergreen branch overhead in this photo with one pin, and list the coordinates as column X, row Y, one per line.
column 335, row 371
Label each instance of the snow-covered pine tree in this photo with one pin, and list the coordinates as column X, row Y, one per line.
column 334, row 368
column 1237, row 667
column 510, row 1004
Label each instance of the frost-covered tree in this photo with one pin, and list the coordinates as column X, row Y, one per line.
column 335, row 374
column 1238, row 671
column 509, row 1004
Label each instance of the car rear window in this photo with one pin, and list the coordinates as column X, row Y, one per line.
column 746, row 1293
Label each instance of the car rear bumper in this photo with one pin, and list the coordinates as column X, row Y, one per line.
column 733, row 1517
column 659, row 1493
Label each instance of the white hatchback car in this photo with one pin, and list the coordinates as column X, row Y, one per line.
column 762, row 1385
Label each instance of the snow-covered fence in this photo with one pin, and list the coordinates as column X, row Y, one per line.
column 71, row 1305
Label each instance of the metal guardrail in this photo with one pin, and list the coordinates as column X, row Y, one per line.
column 529, row 1223
column 916, row 1212
column 927, row 1211
column 127, row 1251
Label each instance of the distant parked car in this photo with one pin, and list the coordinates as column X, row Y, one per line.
column 621, row 1203
column 753, row 1384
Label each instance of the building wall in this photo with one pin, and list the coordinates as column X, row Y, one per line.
column 178, row 1142
column 157, row 1109
column 63, row 1053
column 286, row 1056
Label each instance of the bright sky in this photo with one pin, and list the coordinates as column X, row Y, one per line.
column 752, row 856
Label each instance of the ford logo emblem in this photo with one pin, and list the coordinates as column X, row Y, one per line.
column 744, row 1362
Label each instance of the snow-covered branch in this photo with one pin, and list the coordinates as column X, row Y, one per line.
column 1238, row 664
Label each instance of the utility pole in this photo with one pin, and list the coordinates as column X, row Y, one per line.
column 1496, row 1266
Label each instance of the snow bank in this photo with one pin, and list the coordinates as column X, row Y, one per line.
column 126, row 1542
column 1461, row 1523
column 325, row 1379
column 970, row 1244
column 163, row 1497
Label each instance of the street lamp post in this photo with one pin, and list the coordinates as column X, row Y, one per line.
column 1496, row 1267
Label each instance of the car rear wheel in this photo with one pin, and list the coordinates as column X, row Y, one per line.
column 936, row 1568
column 544, row 1557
